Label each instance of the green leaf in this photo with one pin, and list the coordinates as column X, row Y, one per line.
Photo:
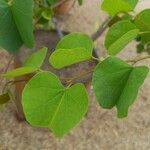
column 114, row 7
column 36, row 59
column 116, row 84
column 76, row 40
column 47, row 14
column 52, row 2
column 61, row 57
column 71, row 49
column 80, row 2
column 20, row 71
column 9, row 36
column 22, row 12
column 47, row 103
column 16, row 24
column 4, row 98
column 119, row 35
column 142, row 21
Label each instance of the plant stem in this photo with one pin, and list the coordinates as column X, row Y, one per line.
column 70, row 79
column 7, row 67
column 101, row 29
column 60, row 33
column 138, row 59
column 146, row 32
column 94, row 58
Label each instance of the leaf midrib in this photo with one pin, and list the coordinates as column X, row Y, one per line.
column 57, row 109
column 120, row 39
column 130, row 71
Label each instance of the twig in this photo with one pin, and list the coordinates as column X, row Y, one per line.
column 60, row 33
column 7, row 67
column 101, row 29
column 135, row 60
column 70, row 79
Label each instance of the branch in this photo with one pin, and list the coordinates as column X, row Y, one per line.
column 70, row 79
column 101, row 29
column 135, row 60
column 60, row 33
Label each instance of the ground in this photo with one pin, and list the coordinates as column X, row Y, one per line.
column 100, row 130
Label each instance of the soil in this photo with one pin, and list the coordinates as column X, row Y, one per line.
column 100, row 129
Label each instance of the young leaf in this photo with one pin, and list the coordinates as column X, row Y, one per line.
column 61, row 57
column 119, row 35
column 114, row 7
column 80, row 2
column 20, row 71
column 142, row 21
column 4, row 98
column 47, row 103
column 47, row 13
column 71, row 49
column 36, row 59
column 116, row 84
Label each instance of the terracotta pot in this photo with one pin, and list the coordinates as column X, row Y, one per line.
column 63, row 6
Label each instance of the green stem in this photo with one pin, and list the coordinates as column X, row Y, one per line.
column 94, row 58
column 146, row 32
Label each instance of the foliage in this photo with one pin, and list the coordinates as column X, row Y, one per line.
column 48, row 103
column 16, row 24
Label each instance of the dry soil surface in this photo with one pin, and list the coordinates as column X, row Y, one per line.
column 100, row 130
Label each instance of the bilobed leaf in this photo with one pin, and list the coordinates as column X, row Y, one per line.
column 22, row 12
column 47, row 103
column 114, row 7
column 119, row 35
column 116, row 84
column 16, row 24
column 9, row 36
column 76, row 40
column 36, row 59
column 61, row 57
column 142, row 21
column 20, row 71
column 71, row 49
column 4, row 98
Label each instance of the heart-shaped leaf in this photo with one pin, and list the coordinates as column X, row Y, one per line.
column 143, row 23
column 61, row 57
column 36, row 59
column 116, row 84
column 71, row 49
column 114, row 7
column 75, row 40
column 119, row 35
column 9, row 35
column 16, row 24
column 47, row 103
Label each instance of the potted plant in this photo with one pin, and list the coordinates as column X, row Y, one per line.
column 59, row 103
